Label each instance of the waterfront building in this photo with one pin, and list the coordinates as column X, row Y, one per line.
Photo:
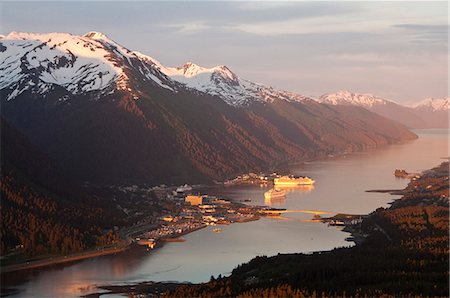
column 168, row 218
column 194, row 200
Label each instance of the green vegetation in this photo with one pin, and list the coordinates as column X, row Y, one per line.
column 405, row 253
column 35, row 222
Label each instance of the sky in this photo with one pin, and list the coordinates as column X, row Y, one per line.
column 397, row 50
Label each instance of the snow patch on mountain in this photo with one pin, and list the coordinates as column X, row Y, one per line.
column 93, row 62
column 41, row 61
column 344, row 97
column 433, row 104
column 222, row 82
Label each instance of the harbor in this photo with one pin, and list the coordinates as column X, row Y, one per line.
column 195, row 212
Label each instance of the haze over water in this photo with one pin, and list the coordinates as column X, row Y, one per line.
column 340, row 188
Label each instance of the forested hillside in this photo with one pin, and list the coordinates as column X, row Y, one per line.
column 41, row 211
column 118, row 116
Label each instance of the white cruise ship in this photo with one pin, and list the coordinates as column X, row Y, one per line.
column 292, row 180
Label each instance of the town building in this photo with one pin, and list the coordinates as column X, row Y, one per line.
column 194, row 200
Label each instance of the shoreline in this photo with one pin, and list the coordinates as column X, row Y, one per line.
column 173, row 238
column 337, row 155
column 61, row 259
column 351, row 222
column 289, row 164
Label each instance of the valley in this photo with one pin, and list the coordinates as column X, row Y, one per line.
column 153, row 123
column 100, row 144
column 238, row 243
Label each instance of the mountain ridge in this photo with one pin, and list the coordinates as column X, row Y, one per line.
column 428, row 113
column 151, row 128
column 435, row 104
column 219, row 80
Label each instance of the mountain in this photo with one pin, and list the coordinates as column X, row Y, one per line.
column 106, row 114
column 433, row 104
column 344, row 97
column 222, row 82
column 381, row 106
column 41, row 210
column 93, row 62
column 434, row 110
column 426, row 114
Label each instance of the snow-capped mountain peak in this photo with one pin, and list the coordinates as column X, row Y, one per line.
column 190, row 69
column 344, row 97
column 433, row 104
column 93, row 63
column 43, row 62
column 96, row 35
column 222, row 82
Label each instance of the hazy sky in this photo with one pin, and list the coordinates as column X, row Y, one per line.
column 398, row 50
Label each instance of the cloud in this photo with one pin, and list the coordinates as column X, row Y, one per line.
column 424, row 27
column 319, row 25
column 259, row 18
column 426, row 32
column 189, row 27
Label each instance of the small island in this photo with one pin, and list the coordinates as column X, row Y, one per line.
column 403, row 174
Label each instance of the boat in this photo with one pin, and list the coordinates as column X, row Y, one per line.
column 183, row 189
column 292, row 180
column 274, row 193
column 217, row 230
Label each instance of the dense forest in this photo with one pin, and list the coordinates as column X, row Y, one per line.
column 35, row 222
column 405, row 253
column 41, row 211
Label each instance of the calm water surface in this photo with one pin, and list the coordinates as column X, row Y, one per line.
column 340, row 187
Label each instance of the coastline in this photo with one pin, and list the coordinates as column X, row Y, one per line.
column 61, row 259
column 173, row 238
column 336, row 155
column 287, row 165
column 396, row 239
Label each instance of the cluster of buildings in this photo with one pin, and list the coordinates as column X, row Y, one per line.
column 344, row 220
column 194, row 212
column 252, row 178
column 174, row 229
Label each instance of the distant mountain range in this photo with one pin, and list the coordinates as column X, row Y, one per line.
column 106, row 114
column 95, row 63
column 429, row 113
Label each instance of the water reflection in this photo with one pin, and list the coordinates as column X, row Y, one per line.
column 276, row 201
column 277, row 195
column 72, row 281
column 274, row 196
column 297, row 188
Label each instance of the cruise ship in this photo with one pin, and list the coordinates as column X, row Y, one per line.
column 274, row 193
column 181, row 190
column 292, row 180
